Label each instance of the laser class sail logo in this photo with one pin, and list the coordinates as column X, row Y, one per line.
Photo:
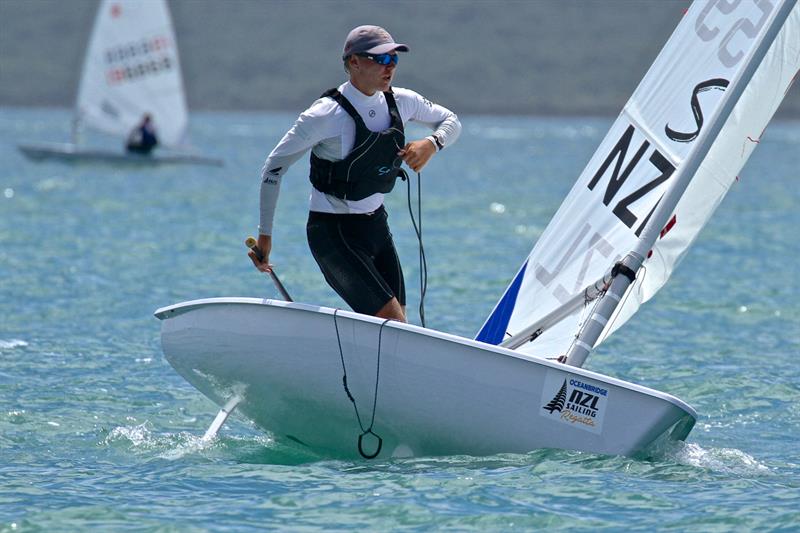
column 576, row 402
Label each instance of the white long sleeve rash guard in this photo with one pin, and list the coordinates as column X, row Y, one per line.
column 329, row 131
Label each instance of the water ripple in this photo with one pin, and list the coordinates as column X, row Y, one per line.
column 97, row 432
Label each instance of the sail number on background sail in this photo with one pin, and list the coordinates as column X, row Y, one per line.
column 132, row 68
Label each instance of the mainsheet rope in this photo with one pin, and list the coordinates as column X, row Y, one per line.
column 423, row 264
column 368, row 430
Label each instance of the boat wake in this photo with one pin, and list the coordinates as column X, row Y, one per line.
column 264, row 449
column 141, row 438
column 256, row 448
column 717, row 460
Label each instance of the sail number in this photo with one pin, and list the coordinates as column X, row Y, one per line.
column 740, row 28
column 588, row 242
column 597, row 245
column 619, row 175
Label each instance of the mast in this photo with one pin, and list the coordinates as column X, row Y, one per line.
column 628, row 267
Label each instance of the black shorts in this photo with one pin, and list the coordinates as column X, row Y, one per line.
column 357, row 257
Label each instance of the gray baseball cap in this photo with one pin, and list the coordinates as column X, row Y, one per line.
column 370, row 40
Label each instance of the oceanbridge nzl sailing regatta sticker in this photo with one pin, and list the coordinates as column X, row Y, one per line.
column 575, row 401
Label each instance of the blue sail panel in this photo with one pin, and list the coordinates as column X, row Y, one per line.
column 494, row 329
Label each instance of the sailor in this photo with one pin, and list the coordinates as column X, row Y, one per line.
column 357, row 140
column 142, row 138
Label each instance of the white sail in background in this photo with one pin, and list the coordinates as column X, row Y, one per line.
column 132, row 68
column 711, row 53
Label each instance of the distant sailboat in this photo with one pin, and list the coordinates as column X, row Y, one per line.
column 352, row 385
column 131, row 68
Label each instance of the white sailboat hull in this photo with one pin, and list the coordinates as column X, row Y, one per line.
column 70, row 153
column 434, row 393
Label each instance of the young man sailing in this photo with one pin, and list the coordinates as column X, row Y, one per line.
column 357, row 140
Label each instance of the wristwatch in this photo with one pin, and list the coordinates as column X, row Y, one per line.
column 437, row 141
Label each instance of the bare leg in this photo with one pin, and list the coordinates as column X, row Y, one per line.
column 392, row 310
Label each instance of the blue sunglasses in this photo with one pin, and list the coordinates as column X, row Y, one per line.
column 382, row 59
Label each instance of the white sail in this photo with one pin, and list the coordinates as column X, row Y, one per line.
column 710, row 56
column 132, row 68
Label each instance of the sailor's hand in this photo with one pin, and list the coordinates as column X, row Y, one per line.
column 260, row 254
column 416, row 154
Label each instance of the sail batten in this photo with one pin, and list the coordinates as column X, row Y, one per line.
column 665, row 165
